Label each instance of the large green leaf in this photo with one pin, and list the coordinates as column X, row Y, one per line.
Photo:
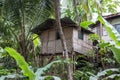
column 21, row 63
column 40, row 71
column 103, row 73
column 36, row 40
column 116, row 53
column 102, row 45
column 85, row 24
column 114, row 35
column 12, row 76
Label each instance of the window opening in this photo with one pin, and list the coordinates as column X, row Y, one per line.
column 80, row 35
column 117, row 27
column 57, row 35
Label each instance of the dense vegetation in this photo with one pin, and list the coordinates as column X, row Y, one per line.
column 20, row 49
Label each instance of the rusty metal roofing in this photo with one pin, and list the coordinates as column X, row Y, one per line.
column 111, row 16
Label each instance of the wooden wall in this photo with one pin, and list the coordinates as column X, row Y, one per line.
column 49, row 43
column 105, row 35
column 81, row 46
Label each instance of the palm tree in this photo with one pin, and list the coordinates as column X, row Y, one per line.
column 20, row 16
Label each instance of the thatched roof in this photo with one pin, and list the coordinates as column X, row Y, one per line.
column 50, row 24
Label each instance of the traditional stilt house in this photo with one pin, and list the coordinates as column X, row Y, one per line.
column 76, row 38
column 113, row 19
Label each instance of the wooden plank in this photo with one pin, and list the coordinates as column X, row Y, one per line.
column 51, row 47
column 44, row 48
column 75, row 33
column 81, row 46
column 52, row 35
column 45, row 36
column 58, row 46
column 69, row 45
column 68, row 32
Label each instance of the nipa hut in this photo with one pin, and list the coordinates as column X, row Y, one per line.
column 76, row 38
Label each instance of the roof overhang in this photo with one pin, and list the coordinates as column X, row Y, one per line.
column 50, row 24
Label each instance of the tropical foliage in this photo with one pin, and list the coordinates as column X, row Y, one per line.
column 26, row 69
column 18, row 17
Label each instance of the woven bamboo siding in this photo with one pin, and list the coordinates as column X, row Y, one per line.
column 58, row 47
column 75, row 34
column 49, row 43
column 52, row 34
column 51, row 47
column 44, row 40
column 68, row 31
column 69, row 45
column 44, row 47
column 45, row 36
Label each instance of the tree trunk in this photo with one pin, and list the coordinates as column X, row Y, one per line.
column 22, row 41
column 59, row 28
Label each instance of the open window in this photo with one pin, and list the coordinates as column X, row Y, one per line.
column 117, row 27
column 57, row 35
column 81, row 35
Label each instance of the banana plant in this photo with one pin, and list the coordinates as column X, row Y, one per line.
column 110, row 72
column 27, row 72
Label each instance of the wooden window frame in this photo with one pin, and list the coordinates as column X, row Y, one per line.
column 116, row 25
column 81, row 35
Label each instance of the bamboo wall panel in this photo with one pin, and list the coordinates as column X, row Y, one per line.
column 45, row 36
column 52, row 35
column 58, row 46
column 51, row 47
column 75, row 34
column 68, row 32
column 44, row 47
column 69, row 45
